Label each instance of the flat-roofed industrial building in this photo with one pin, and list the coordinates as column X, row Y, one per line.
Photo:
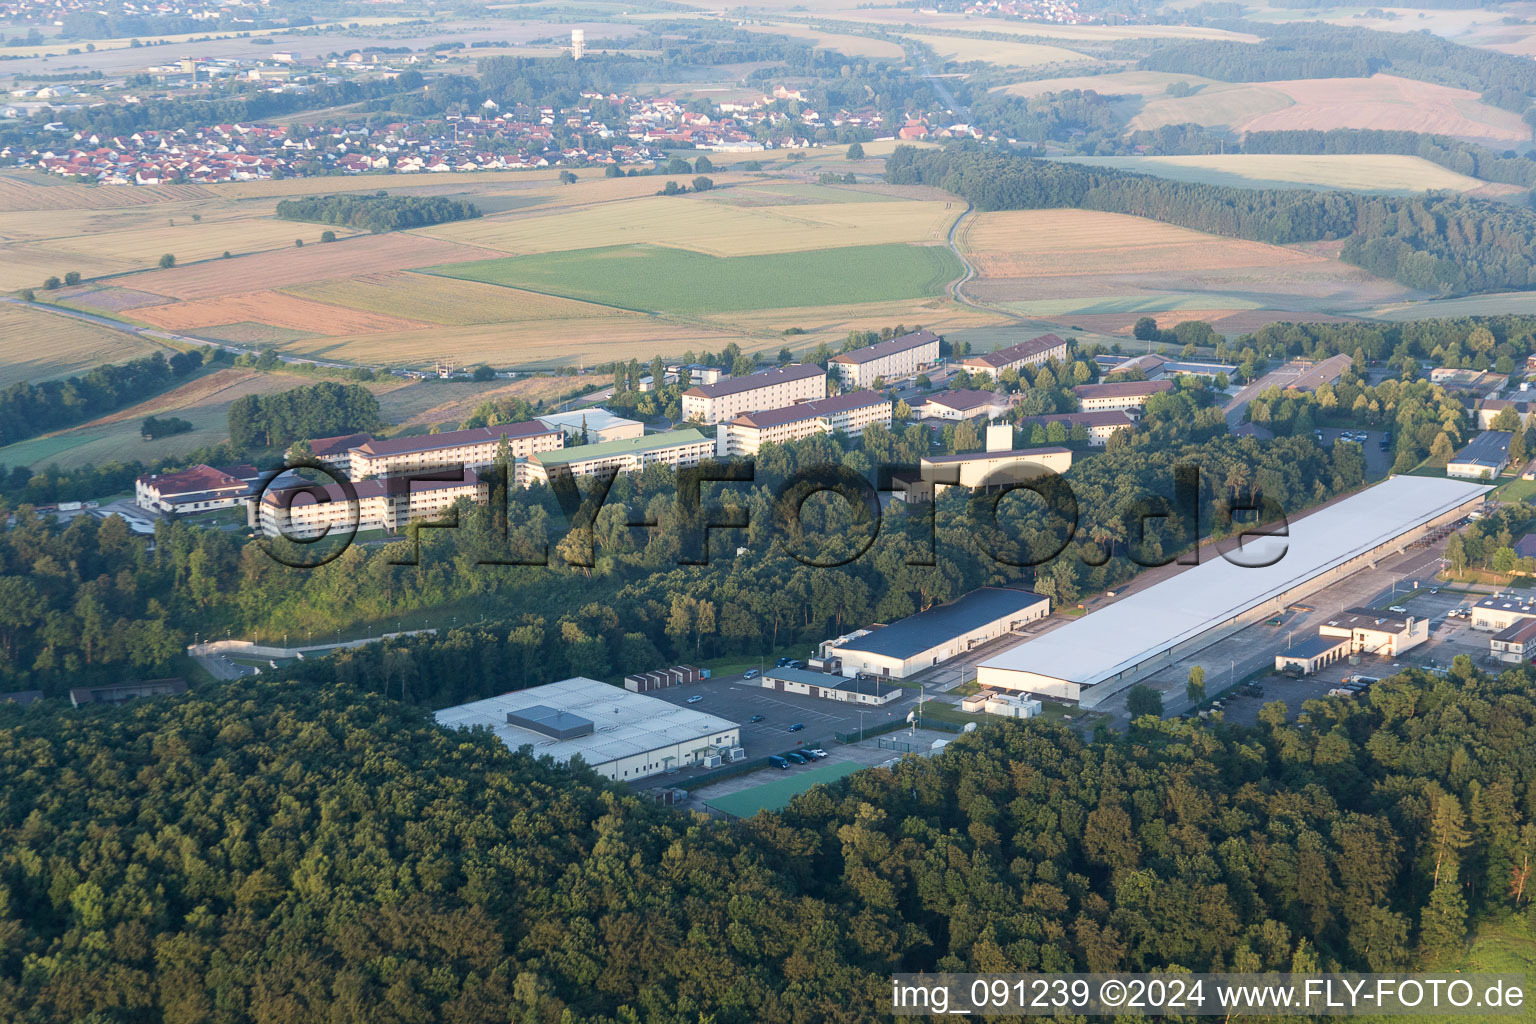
column 851, row 689
column 1109, row 650
column 938, row 634
column 620, row 735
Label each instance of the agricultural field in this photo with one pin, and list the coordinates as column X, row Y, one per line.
column 1381, row 101
column 853, row 45
column 1119, row 83
column 693, row 222
column 1493, row 304
column 905, row 17
column 547, row 345
column 1062, row 263
column 432, row 403
column 441, row 300
column 284, row 268
column 36, row 345
column 110, row 252
column 1355, row 172
column 1002, row 52
column 677, row 281
column 275, row 309
column 203, row 401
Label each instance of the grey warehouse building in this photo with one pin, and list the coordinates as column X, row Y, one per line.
column 1107, row 651
column 938, row 634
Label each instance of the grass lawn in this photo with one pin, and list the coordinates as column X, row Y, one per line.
column 775, row 795
column 1516, row 490
column 1505, row 947
column 659, row 279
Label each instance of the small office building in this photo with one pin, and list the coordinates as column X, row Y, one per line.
column 1311, row 654
column 1484, row 457
column 830, row 687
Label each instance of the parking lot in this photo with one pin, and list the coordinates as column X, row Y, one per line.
column 740, row 700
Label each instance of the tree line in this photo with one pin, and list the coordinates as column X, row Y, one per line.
column 28, row 409
column 378, row 212
column 1441, row 243
column 319, row 410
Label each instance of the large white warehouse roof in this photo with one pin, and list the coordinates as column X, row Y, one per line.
column 1149, row 622
column 584, row 716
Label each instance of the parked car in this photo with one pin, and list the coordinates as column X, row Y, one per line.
column 819, row 752
column 777, row 761
column 750, row 673
column 781, row 663
column 695, row 698
column 797, row 727
column 1399, row 609
column 755, row 718
column 796, row 757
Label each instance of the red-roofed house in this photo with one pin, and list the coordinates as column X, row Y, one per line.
column 197, row 489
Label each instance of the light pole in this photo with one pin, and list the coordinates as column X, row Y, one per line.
column 861, row 725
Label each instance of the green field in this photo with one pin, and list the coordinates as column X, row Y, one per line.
column 658, row 279
column 775, row 795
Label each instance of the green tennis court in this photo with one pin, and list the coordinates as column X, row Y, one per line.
column 772, row 796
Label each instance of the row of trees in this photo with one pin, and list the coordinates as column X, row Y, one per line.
column 28, row 409
column 1440, row 243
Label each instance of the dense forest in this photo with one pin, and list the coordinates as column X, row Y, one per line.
column 28, row 409
column 283, row 851
column 319, row 410
column 378, row 212
column 1440, row 243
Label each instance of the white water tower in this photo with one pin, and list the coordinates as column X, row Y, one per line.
column 578, row 43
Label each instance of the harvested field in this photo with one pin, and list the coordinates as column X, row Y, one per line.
column 1001, row 52
column 550, row 344
column 441, row 300
column 33, row 190
column 679, row 281
column 1057, row 243
column 36, row 345
column 1381, row 101
column 1227, row 321
column 191, row 242
column 286, row 267
column 694, row 223
column 1356, row 172
column 857, row 46
column 431, row 403
column 28, row 264
column 1050, row 263
column 276, row 309
column 1120, row 83
column 108, row 299
column 247, row 333
column 832, row 323
column 897, row 17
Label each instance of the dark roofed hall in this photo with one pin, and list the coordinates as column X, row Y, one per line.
column 806, row 410
column 1123, row 389
column 879, row 350
column 1012, row 354
column 918, row 633
column 753, row 381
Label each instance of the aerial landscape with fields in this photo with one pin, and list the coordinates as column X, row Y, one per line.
column 464, row 467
